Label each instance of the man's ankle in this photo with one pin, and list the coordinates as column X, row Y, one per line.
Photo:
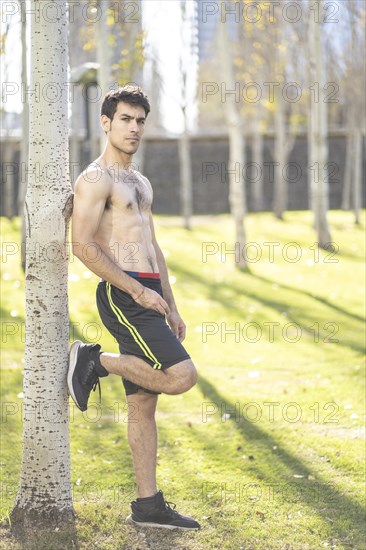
column 100, row 370
column 146, row 499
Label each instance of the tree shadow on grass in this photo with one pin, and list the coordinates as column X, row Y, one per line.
column 323, row 497
column 218, row 292
column 320, row 299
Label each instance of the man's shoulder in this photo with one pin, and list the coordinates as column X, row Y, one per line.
column 95, row 173
column 143, row 178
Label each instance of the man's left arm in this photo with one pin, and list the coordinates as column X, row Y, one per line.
column 174, row 319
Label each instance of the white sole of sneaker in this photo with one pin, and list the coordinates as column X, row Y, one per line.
column 72, row 363
column 130, row 521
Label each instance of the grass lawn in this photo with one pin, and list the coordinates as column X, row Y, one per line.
column 267, row 451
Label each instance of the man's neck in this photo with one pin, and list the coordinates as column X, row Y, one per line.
column 112, row 156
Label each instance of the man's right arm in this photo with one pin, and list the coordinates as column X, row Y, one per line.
column 91, row 193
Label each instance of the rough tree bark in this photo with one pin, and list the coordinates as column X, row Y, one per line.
column 44, row 495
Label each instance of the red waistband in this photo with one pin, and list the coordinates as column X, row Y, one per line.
column 139, row 275
column 142, row 275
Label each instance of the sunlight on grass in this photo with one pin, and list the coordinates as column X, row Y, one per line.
column 267, row 450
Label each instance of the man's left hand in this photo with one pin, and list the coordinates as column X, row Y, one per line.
column 177, row 325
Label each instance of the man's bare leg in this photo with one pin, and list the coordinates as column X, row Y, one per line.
column 176, row 379
column 143, row 441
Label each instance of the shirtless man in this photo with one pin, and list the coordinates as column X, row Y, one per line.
column 113, row 235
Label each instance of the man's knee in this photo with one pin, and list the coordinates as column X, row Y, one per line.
column 184, row 377
column 142, row 403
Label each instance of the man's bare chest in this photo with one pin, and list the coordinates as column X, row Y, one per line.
column 131, row 193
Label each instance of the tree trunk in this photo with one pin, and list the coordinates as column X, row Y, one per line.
column 139, row 157
column 8, row 179
column 257, row 184
column 351, row 118
column 318, row 134
column 97, row 138
column 357, row 45
column 347, row 180
column 104, row 61
column 280, row 183
column 185, row 176
column 44, row 496
column 25, row 134
column 235, row 127
column 237, row 192
column 357, row 175
column 284, row 141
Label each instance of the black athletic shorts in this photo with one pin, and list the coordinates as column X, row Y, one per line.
column 139, row 331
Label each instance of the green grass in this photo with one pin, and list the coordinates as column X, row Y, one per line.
column 267, row 451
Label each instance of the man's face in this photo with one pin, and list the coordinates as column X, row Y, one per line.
column 127, row 127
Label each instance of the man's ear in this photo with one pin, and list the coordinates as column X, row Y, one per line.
column 105, row 123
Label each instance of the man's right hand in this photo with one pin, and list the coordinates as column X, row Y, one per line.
column 152, row 300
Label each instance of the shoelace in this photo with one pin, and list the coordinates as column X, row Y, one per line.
column 94, row 379
column 97, row 383
column 168, row 507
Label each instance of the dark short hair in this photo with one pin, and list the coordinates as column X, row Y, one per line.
column 133, row 95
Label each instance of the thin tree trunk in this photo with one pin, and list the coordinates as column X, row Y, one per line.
column 8, row 180
column 257, row 184
column 284, row 141
column 351, row 120
column 318, row 135
column 235, row 127
column 357, row 171
column 280, row 183
column 186, row 62
column 97, row 137
column 185, row 176
column 139, row 157
column 104, row 61
column 347, row 182
column 237, row 192
column 357, row 107
column 44, row 496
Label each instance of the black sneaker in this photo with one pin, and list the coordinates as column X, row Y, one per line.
column 156, row 512
column 84, row 372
